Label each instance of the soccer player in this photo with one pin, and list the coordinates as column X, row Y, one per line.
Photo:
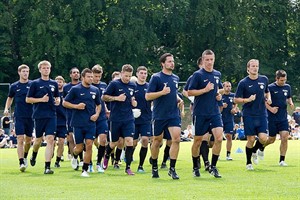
column 142, row 122
column 101, row 123
column 228, row 110
column 61, row 129
column 44, row 95
column 281, row 95
column 23, row 114
column 84, row 100
column 120, row 93
column 205, row 85
column 163, row 91
column 253, row 92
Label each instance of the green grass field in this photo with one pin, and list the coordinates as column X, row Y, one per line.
column 267, row 181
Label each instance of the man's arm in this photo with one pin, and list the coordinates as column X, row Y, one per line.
column 8, row 103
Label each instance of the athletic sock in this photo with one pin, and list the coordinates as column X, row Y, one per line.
column 85, row 166
column 101, row 151
column 58, row 159
column 228, row 153
column 172, row 163
column 81, row 156
column 154, row 163
column 196, row 162
column 166, row 153
column 257, row 145
column 75, row 156
column 21, row 161
column 281, row 158
column 34, row 154
column 128, row 156
column 108, row 151
column 118, row 154
column 47, row 165
column 214, row 160
column 204, row 151
column 248, row 155
column 25, row 154
column 143, row 153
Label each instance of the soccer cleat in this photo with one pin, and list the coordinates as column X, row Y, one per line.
column 70, row 156
column 129, row 172
column 163, row 165
column 32, row 161
column 26, row 162
column 100, row 169
column 48, row 171
column 62, row 159
column 22, row 167
column 116, row 166
column 283, row 164
column 228, row 158
column 74, row 163
column 249, row 167
column 140, row 169
column 254, row 158
column 155, row 173
column 173, row 174
column 57, row 165
column 80, row 163
column 214, row 171
column 85, row 174
column 196, row 172
column 91, row 169
column 261, row 154
column 105, row 163
column 207, row 166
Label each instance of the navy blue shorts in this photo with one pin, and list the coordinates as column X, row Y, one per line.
column 61, row 131
column 47, row 126
column 255, row 125
column 228, row 127
column 203, row 123
column 101, row 127
column 167, row 134
column 160, row 125
column 121, row 129
column 24, row 126
column 143, row 130
column 82, row 133
column 276, row 126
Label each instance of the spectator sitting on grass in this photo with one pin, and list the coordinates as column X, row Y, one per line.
column 3, row 139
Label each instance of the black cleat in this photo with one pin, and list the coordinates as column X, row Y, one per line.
column 207, row 166
column 196, row 172
column 163, row 165
column 155, row 173
column 48, row 171
column 173, row 174
column 214, row 171
column 32, row 161
column 116, row 166
column 57, row 165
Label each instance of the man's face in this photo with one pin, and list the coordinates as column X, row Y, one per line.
column 169, row 64
column 60, row 84
column 24, row 73
column 125, row 76
column 227, row 87
column 142, row 75
column 208, row 61
column 253, row 67
column 88, row 78
column 45, row 70
column 75, row 75
column 97, row 77
column 281, row 81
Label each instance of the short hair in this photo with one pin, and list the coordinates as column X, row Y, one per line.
column 226, row 82
column 127, row 68
column 163, row 57
column 114, row 74
column 71, row 70
column 199, row 61
column 60, row 78
column 280, row 73
column 44, row 62
column 97, row 69
column 141, row 68
column 252, row 60
column 85, row 71
column 23, row 66
column 207, row 52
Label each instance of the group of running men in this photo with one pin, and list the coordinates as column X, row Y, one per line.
column 88, row 111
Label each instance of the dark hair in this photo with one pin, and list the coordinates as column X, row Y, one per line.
column 163, row 57
column 199, row 61
column 127, row 68
column 85, row 71
column 280, row 73
column 71, row 70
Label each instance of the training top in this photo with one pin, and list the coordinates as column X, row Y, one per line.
column 66, row 90
column 38, row 89
column 227, row 116
column 120, row 110
column 142, row 104
column 248, row 87
column 164, row 107
column 61, row 112
column 206, row 104
column 18, row 91
column 279, row 96
column 101, row 86
column 88, row 95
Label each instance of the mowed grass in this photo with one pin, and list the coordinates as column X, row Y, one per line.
column 267, row 181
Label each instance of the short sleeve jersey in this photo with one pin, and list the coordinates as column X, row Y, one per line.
column 88, row 95
column 142, row 104
column 248, row 87
column 121, row 110
column 101, row 86
column 206, row 104
column 18, row 91
column 61, row 112
column 164, row 107
column 227, row 116
column 279, row 96
column 66, row 90
column 38, row 89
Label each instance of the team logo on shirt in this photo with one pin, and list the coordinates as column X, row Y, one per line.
column 231, row 99
column 52, row 88
column 285, row 92
column 261, row 85
column 131, row 91
column 93, row 96
column 217, row 79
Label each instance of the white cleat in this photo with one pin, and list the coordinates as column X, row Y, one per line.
column 100, row 169
column 22, row 167
column 254, row 158
column 261, row 154
column 228, row 158
column 80, row 164
column 283, row 164
column 25, row 162
column 74, row 163
column 249, row 167
column 85, row 174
